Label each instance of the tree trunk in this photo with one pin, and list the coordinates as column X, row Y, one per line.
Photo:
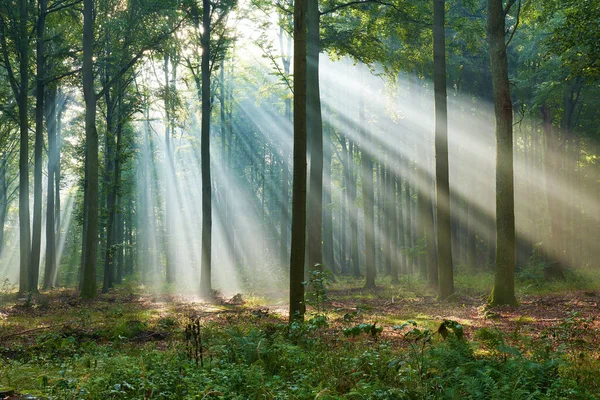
column 205, row 272
column 353, row 213
column 444, row 241
column 61, row 104
column 113, row 188
column 394, row 221
column 327, row 210
column 368, row 198
column 169, row 187
column 504, row 282
column 39, row 144
column 22, row 98
column 297, row 307
column 3, row 199
column 315, row 135
column 90, row 233
column 50, row 269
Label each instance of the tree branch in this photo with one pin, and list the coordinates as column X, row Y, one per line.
column 512, row 34
column 509, row 5
column 61, row 5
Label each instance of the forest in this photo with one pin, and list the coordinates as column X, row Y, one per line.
column 299, row 199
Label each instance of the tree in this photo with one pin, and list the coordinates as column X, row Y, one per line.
column 503, row 291
column 90, row 234
column 297, row 306
column 444, row 246
column 50, row 269
column 315, row 136
column 368, row 197
column 205, row 275
column 20, row 90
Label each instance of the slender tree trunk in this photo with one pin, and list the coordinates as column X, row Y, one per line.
column 395, row 248
column 61, row 104
column 504, row 282
column 345, row 209
column 368, row 198
column 354, row 251
column 169, row 187
column 297, row 307
column 22, row 99
column 327, row 209
column 444, row 241
column 3, row 199
column 315, row 134
column 388, row 217
column 205, row 272
column 49, row 272
column 109, row 162
column 88, row 286
column 113, row 193
column 407, row 231
column 39, row 144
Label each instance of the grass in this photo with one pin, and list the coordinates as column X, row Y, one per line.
column 366, row 344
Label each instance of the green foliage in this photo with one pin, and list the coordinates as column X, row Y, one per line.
column 356, row 330
column 248, row 360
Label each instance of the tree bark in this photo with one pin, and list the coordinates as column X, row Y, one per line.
column 368, row 198
column 38, row 146
column 169, row 240
column 90, row 234
column 327, row 210
column 205, row 271
column 315, row 135
column 503, row 291
column 444, row 241
column 50, row 269
column 297, row 307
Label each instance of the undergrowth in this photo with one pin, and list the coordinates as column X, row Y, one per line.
column 254, row 354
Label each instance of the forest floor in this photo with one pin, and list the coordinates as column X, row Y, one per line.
column 56, row 345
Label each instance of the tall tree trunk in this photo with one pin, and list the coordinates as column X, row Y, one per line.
column 61, row 105
column 49, row 272
column 169, row 187
column 315, row 135
column 368, row 197
column 407, row 228
column 113, row 193
column 504, row 282
column 38, row 147
column 109, row 163
column 90, row 233
column 205, row 272
column 353, row 212
column 22, row 98
column 327, row 209
column 297, row 307
column 394, row 221
column 345, row 209
column 119, row 240
column 444, row 237
column 3, row 199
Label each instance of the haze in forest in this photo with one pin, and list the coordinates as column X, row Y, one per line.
column 120, row 132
